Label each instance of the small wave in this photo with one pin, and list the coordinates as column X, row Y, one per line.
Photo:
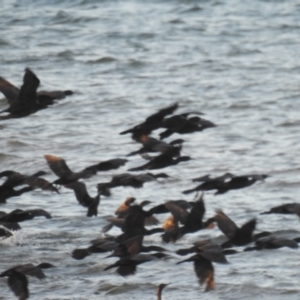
column 102, row 60
column 289, row 27
column 120, row 289
column 63, row 17
column 289, row 124
column 176, row 21
column 240, row 52
column 136, row 63
column 195, row 8
column 240, row 106
column 4, row 42
column 18, row 238
column 146, row 35
column 4, row 156
column 286, row 184
column 17, row 143
column 66, row 54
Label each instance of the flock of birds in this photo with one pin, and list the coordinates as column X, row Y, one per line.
column 132, row 218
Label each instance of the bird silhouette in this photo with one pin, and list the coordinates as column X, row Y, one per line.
column 26, row 102
column 206, row 254
column 160, row 289
column 17, row 282
column 288, row 208
column 19, row 215
column 237, row 236
column 44, row 98
column 60, row 168
column 84, row 198
column 151, row 123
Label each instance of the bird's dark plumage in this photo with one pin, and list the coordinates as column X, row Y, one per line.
column 17, row 282
column 11, row 93
column 15, row 179
column 288, row 208
column 182, row 124
column 237, row 236
column 107, row 165
column 127, row 265
column 127, row 179
column 4, row 233
column 32, row 270
column 159, row 290
column 26, row 103
column 152, row 122
column 84, row 198
column 7, row 192
column 19, row 215
column 271, row 242
column 61, row 169
column 225, row 183
column 151, row 144
column 204, row 270
column 207, row 253
column 192, row 221
column 162, row 161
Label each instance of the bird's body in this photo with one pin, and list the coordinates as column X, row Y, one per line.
column 225, row 183
column 192, row 221
column 28, row 100
column 17, row 282
column 162, row 161
column 206, row 254
column 272, row 242
column 60, row 168
column 288, row 208
column 84, row 198
column 19, row 215
column 151, row 123
column 237, row 236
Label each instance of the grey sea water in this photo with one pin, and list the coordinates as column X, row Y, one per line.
column 236, row 61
